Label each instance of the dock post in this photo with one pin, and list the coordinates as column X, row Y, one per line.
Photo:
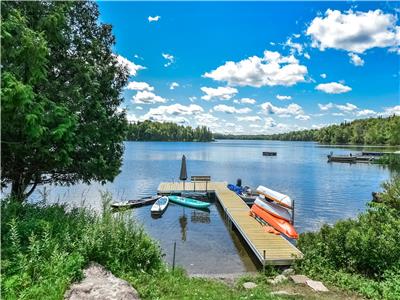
column 264, row 261
column 173, row 258
column 293, row 213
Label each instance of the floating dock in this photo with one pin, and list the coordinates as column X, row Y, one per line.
column 268, row 248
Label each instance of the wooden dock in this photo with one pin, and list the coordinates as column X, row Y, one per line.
column 268, row 248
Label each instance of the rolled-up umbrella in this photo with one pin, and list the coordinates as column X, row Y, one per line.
column 183, row 175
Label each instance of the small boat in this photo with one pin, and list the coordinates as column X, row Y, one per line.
column 136, row 203
column 160, row 205
column 279, row 224
column 269, row 153
column 279, row 198
column 189, row 202
column 274, row 209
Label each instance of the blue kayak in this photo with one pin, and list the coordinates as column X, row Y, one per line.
column 189, row 202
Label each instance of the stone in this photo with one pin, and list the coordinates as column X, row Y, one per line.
column 317, row 286
column 100, row 284
column 278, row 279
column 249, row 285
column 299, row 279
column 288, row 272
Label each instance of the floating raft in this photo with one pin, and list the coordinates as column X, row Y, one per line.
column 277, row 249
column 269, row 153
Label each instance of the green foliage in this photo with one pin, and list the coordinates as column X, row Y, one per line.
column 361, row 254
column 372, row 131
column 45, row 248
column 61, row 87
column 155, row 131
column 392, row 160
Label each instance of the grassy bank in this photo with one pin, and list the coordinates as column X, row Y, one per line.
column 363, row 254
column 45, row 248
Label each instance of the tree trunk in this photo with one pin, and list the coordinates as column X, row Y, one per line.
column 18, row 189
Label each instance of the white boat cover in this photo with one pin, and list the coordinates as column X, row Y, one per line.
column 279, row 198
column 274, row 209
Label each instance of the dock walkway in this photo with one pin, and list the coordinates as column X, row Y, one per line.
column 277, row 250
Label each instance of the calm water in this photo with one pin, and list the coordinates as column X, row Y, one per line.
column 324, row 192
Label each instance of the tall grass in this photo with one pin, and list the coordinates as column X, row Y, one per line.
column 45, row 248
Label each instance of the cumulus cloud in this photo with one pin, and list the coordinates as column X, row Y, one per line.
column 153, row 19
column 139, row 108
column 270, row 70
column 394, row 110
column 333, row 88
column 348, row 107
column 294, row 47
column 222, row 93
column 173, row 85
column 192, row 98
column 170, row 59
column 131, row 118
column 231, row 109
column 365, row 113
column 247, row 101
column 323, row 75
column 206, row 119
column 306, row 55
column 139, row 86
column 303, row 117
column 282, row 97
column 356, row 60
column 325, row 106
column 146, row 97
column 269, row 123
column 249, row 118
column 290, row 110
column 172, row 113
column 354, row 31
column 131, row 66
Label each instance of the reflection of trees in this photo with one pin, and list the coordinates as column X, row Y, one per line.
column 200, row 217
column 183, row 223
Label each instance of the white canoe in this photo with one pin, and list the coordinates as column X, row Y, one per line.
column 279, row 198
column 160, row 205
column 274, row 209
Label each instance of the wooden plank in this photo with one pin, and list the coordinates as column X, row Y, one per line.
column 279, row 251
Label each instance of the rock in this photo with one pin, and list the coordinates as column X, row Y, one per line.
column 299, row 279
column 317, row 286
column 288, row 272
column 278, row 279
column 249, row 285
column 100, row 284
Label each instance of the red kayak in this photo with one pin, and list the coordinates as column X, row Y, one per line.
column 279, row 224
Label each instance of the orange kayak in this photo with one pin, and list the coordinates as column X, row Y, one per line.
column 279, row 224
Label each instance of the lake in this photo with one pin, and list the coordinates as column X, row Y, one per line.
column 323, row 192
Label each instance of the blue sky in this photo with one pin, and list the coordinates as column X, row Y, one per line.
column 257, row 67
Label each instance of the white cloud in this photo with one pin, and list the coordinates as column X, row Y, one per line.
column 303, row 117
column 365, row 112
column 270, row 70
column 354, row 31
column 173, row 85
column 290, row 110
column 192, row 99
column 223, row 93
column 356, row 60
column 333, row 88
column 282, row 97
column 269, row 123
column 249, row 118
column 325, row 106
column 294, row 47
column 172, row 113
column 170, row 59
column 306, row 55
column 206, row 119
column 348, row 107
column 139, row 108
column 394, row 110
column 323, row 75
column 139, row 86
column 131, row 118
column 254, row 126
column 153, row 19
column 131, row 67
column 231, row 110
column 336, row 114
column 146, row 97
column 247, row 101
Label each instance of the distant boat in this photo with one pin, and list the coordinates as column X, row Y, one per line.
column 189, row 202
column 275, row 196
column 274, row 209
column 136, row 203
column 279, row 224
column 160, row 205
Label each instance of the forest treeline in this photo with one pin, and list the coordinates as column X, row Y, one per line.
column 372, row 131
column 155, row 131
